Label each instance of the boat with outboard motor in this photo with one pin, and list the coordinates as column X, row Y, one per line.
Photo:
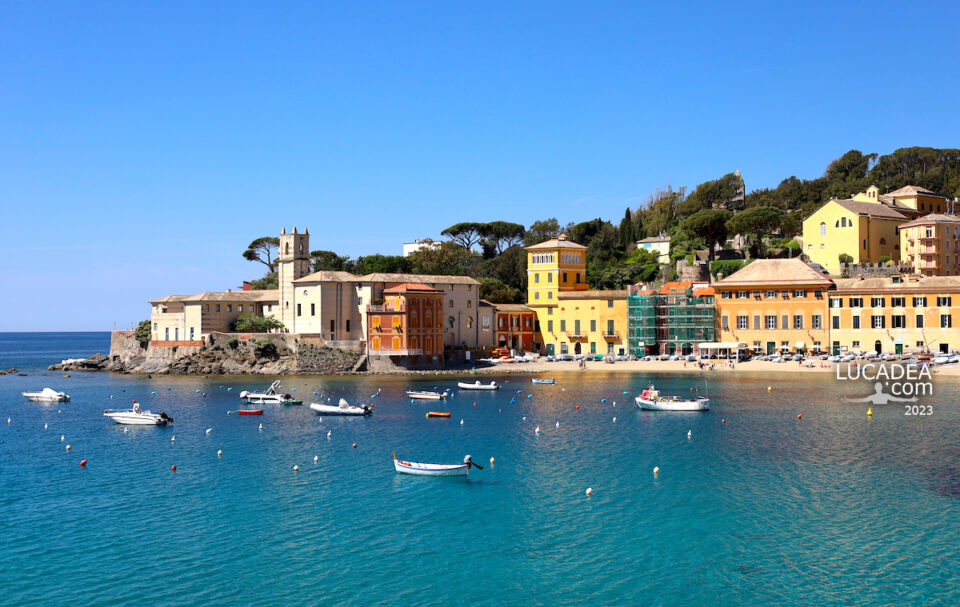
column 343, row 408
column 544, row 381
column 477, row 385
column 422, row 469
column 651, row 400
column 426, row 395
column 138, row 417
column 271, row 396
column 47, row 395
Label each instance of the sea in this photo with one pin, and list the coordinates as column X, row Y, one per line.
column 783, row 493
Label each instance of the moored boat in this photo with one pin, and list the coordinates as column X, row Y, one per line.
column 543, row 381
column 47, row 395
column 477, row 385
column 426, row 395
column 343, row 408
column 271, row 396
column 138, row 417
column 423, row 469
column 249, row 411
column 651, row 400
column 438, row 414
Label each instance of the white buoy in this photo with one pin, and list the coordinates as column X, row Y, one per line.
column 536, row 430
column 124, row 430
column 656, row 469
column 461, row 422
column 296, row 468
column 8, row 420
column 209, row 430
column 320, row 419
column 614, row 420
column 589, row 490
column 316, row 459
column 524, row 418
column 61, row 438
column 173, row 439
column 260, row 427
column 44, row 426
column 558, row 423
column 59, row 411
column 689, row 433
column 329, row 432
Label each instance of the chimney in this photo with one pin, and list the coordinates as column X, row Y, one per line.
column 229, row 290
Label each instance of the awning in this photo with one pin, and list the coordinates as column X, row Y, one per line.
column 898, row 341
column 784, row 347
column 722, row 345
column 800, row 344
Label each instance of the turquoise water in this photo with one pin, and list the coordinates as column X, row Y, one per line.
column 761, row 509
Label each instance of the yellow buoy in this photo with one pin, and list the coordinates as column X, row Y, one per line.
column 219, row 453
column 769, row 388
column 492, row 461
column 869, row 411
column 656, row 469
column 69, row 447
column 589, row 490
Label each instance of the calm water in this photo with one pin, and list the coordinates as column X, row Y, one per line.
column 765, row 508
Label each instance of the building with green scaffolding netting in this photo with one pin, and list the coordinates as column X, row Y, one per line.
column 672, row 319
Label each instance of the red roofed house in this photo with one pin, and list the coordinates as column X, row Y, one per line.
column 409, row 323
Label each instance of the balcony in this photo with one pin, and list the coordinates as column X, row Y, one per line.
column 385, row 308
column 575, row 335
column 609, row 335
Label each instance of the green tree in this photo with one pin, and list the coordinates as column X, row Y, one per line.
column 726, row 267
column 264, row 348
column 502, row 235
column 756, row 223
column 661, row 210
column 709, row 225
column 327, row 261
column 251, row 323
column 448, row 258
column 269, row 281
column 844, row 258
column 263, row 250
column 495, row 291
column 143, row 333
column 467, row 234
column 377, row 263
column 541, row 231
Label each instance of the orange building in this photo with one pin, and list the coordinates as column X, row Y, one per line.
column 408, row 323
column 514, row 326
column 931, row 244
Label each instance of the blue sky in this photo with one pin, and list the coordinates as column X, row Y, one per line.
column 142, row 147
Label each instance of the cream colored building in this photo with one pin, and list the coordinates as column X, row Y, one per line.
column 181, row 318
column 657, row 244
column 931, row 244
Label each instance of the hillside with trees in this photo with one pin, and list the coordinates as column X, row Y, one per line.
column 766, row 221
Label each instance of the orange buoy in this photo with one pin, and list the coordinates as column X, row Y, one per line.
column 83, row 462
column 723, row 421
column 578, row 407
column 173, row 468
column 354, row 445
column 474, row 404
column 799, row 415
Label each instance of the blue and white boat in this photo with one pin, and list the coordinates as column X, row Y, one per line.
column 422, row 469
column 537, row 380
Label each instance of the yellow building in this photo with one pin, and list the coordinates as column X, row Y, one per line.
column 865, row 231
column 774, row 305
column 572, row 319
column 895, row 314
column 181, row 318
column 931, row 244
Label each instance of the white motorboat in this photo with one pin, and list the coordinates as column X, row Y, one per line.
column 47, row 395
column 477, row 386
column 271, row 396
column 426, row 395
column 138, row 417
column 652, row 400
column 423, row 469
column 343, row 408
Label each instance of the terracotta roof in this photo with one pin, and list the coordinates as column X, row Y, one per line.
column 169, row 299
column 511, row 308
column 871, row 209
column 701, row 291
column 592, row 294
column 908, row 284
column 675, row 287
column 932, row 218
column 763, row 272
column 556, row 243
column 427, row 279
column 483, row 303
column 910, row 190
column 412, row 287
column 329, row 276
column 241, row 296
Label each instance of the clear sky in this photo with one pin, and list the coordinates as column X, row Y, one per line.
column 142, row 147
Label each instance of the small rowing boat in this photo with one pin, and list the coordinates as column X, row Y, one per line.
column 651, row 400
column 543, row 381
column 249, row 411
column 344, row 408
column 423, row 469
column 478, row 386
column 437, row 414
column 426, row 395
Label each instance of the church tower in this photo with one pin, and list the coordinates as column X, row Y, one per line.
column 293, row 262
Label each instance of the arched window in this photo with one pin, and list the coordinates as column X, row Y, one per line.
column 469, row 322
column 450, row 321
column 883, row 241
column 837, row 225
column 823, row 229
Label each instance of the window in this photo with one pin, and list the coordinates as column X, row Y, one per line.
column 176, row 334
column 756, row 322
column 898, row 302
column 785, row 294
column 769, row 294
column 946, row 321
column 578, row 277
column 836, row 302
column 725, row 323
column 785, row 322
column 218, row 307
column 298, row 309
column 536, row 277
column 576, row 328
column 856, row 322
column 800, row 293
column 155, row 326
column 563, row 348
column 743, row 295
column 798, row 321
column 609, row 303
column 725, row 294
column 564, row 277
column 878, row 322
column 883, row 241
column 313, row 309
column 593, row 326
column 770, row 322
column 920, row 302
column 229, row 307
column 166, row 334
column 836, row 322
column 450, row 321
column 240, row 306
column 823, row 229
column 919, row 344
column 550, row 326
column 191, row 333
column 743, row 322
column 549, row 311
column 943, row 302
column 856, row 302
column 563, row 325
column 468, row 303
column 451, row 303
column 469, row 322
column 536, row 295
column 876, row 302
column 333, row 323
column 549, row 294
column 816, row 321
column 919, row 321
column 348, row 325
column 898, row 322
column 593, row 347
column 610, row 330
column 549, row 276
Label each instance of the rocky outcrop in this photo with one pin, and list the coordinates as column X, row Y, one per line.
column 94, row 362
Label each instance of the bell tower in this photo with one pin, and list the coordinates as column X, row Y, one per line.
column 293, row 262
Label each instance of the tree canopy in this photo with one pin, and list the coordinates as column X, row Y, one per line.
column 263, row 250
